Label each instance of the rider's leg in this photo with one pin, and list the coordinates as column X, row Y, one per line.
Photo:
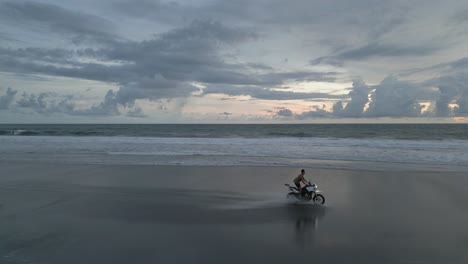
column 298, row 185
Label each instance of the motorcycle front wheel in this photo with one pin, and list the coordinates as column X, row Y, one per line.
column 319, row 199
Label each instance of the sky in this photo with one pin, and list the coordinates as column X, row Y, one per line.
column 255, row 61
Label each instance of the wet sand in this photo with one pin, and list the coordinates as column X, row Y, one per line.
column 175, row 214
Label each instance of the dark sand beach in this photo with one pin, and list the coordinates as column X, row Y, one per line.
column 179, row 214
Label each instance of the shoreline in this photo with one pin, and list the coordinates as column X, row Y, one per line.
column 346, row 165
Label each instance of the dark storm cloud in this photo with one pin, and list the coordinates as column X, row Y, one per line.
column 328, row 60
column 385, row 50
column 460, row 64
column 163, row 67
column 90, row 71
column 80, row 26
column 42, row 55
column 7, row 37
column 309, row 11
column 375, row 50
column 183, row 54
column 370, row 17
column 269, row 79
column 170, row 12
column 263, row 93
column 152, row 69
column 447, row 69
column 278, row 78
column 461, row 16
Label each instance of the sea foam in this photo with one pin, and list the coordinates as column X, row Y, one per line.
column 231, row 151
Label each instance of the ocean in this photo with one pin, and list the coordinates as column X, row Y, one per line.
column 239, row 144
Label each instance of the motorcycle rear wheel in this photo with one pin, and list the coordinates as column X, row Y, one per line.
column 320, row 199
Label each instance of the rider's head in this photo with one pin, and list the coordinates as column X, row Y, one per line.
column 303, row 171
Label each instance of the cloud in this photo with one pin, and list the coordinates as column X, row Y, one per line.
column 284, row 113
column 461, row 16
column 108, row 107
column 375, row 50
column 81, row 27
column 50, row 103
column 263, row 93
column 337, row 108
column 152, row 89
column 328, row 60
column 446, row 69
column 42, row 55
column 242, row 55
column 394, row 98
column 46, row 103
column 390, row 98
column 460, row 64
column 136, row 112
column 339, row 21
column 359, row 98
column 452, row 88
column 33, row 101
column 462, row 108
column 162, row 67
column 7, row 99
column 317, row 112
column 449, row 89
column 385, row 50
column 168, row 12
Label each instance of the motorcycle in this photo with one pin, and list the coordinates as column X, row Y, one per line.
column 310, row 192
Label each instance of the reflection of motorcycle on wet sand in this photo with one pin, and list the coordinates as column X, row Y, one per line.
column 306, row 221
column 310, row 192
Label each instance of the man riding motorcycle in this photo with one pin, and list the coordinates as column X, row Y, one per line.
column 300, row 178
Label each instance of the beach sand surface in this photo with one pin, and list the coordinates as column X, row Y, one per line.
column 59, row 213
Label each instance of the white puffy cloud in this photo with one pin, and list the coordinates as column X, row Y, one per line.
column 359, row 98
column 7, row 99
